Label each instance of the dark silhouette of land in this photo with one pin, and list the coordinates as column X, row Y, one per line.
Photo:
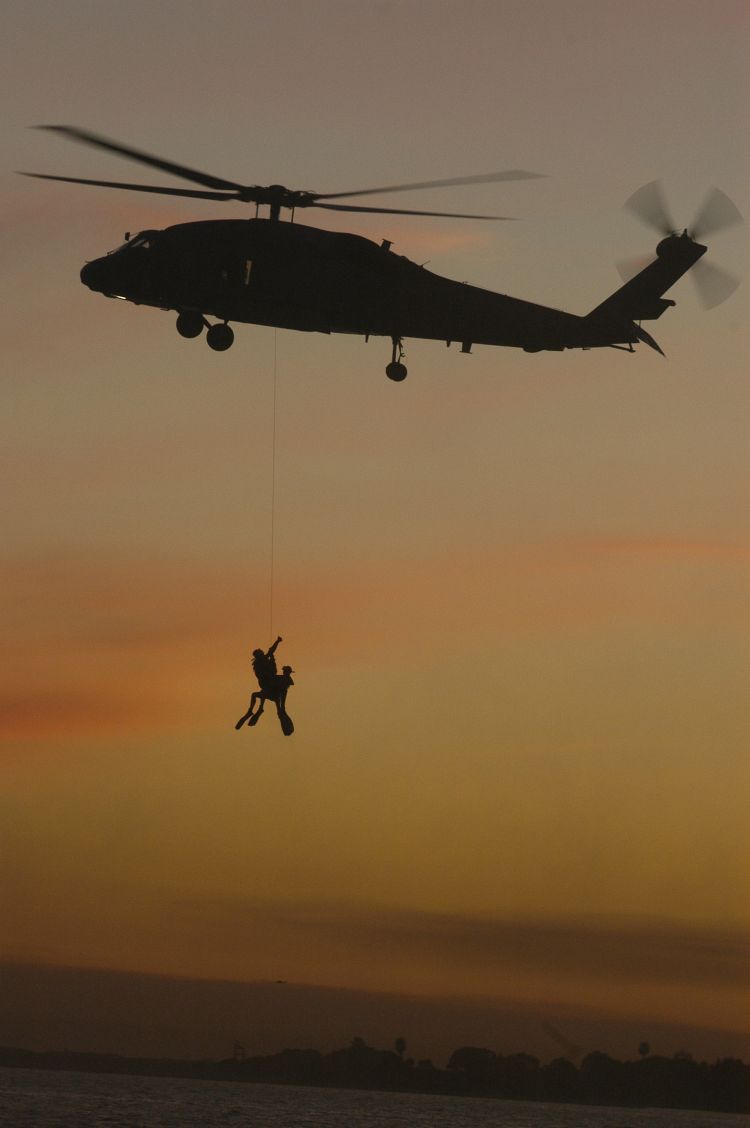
column 158, row 1016
column 648, row 1081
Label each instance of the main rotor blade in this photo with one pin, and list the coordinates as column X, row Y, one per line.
column 648, row 205
column 98, row 142
column 484, row 178
column 717, row 212
column 404, row 211
column 193, row 192
column 714, row 285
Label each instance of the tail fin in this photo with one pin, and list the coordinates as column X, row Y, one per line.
column 641, row 299
column 647, row 339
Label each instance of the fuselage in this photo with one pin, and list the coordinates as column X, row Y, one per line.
column 298, row 277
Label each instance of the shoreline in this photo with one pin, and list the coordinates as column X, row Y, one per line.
column 650, row 1082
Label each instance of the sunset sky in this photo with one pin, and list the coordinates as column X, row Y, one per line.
column 513, row 588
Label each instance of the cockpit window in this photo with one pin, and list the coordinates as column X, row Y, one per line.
column 143, row 240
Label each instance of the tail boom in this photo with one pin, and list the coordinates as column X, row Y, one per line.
column 640, row 299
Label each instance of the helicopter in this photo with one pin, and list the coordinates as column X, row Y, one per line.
column 266, row 272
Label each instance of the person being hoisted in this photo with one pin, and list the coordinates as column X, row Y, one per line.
column 264, row 666
column 273, row 687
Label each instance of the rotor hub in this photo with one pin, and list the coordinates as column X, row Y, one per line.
column 276, row 197
column 679, row 245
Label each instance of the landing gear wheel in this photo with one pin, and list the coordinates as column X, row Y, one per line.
column 219, row 337
column 396, row 370
column 190, row 323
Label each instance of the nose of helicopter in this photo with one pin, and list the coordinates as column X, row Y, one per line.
column 94, row 275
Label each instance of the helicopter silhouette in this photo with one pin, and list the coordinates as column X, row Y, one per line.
column 265, row 272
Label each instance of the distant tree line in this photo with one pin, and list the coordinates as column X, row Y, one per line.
column 650, row 1080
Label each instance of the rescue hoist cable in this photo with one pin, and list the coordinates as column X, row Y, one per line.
column 273, row 491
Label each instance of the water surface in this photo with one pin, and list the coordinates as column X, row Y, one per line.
column 37, row 1098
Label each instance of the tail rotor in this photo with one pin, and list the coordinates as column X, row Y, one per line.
column 650, row 206
column 717, row 213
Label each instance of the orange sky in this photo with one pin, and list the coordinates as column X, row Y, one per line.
column 513, row 589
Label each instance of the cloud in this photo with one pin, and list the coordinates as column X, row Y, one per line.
column 68, row 713
column 98, row 645
column 669, row 970
column 660, row 548
column 47, row 1006
column 623, row 950
column 92, row 641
